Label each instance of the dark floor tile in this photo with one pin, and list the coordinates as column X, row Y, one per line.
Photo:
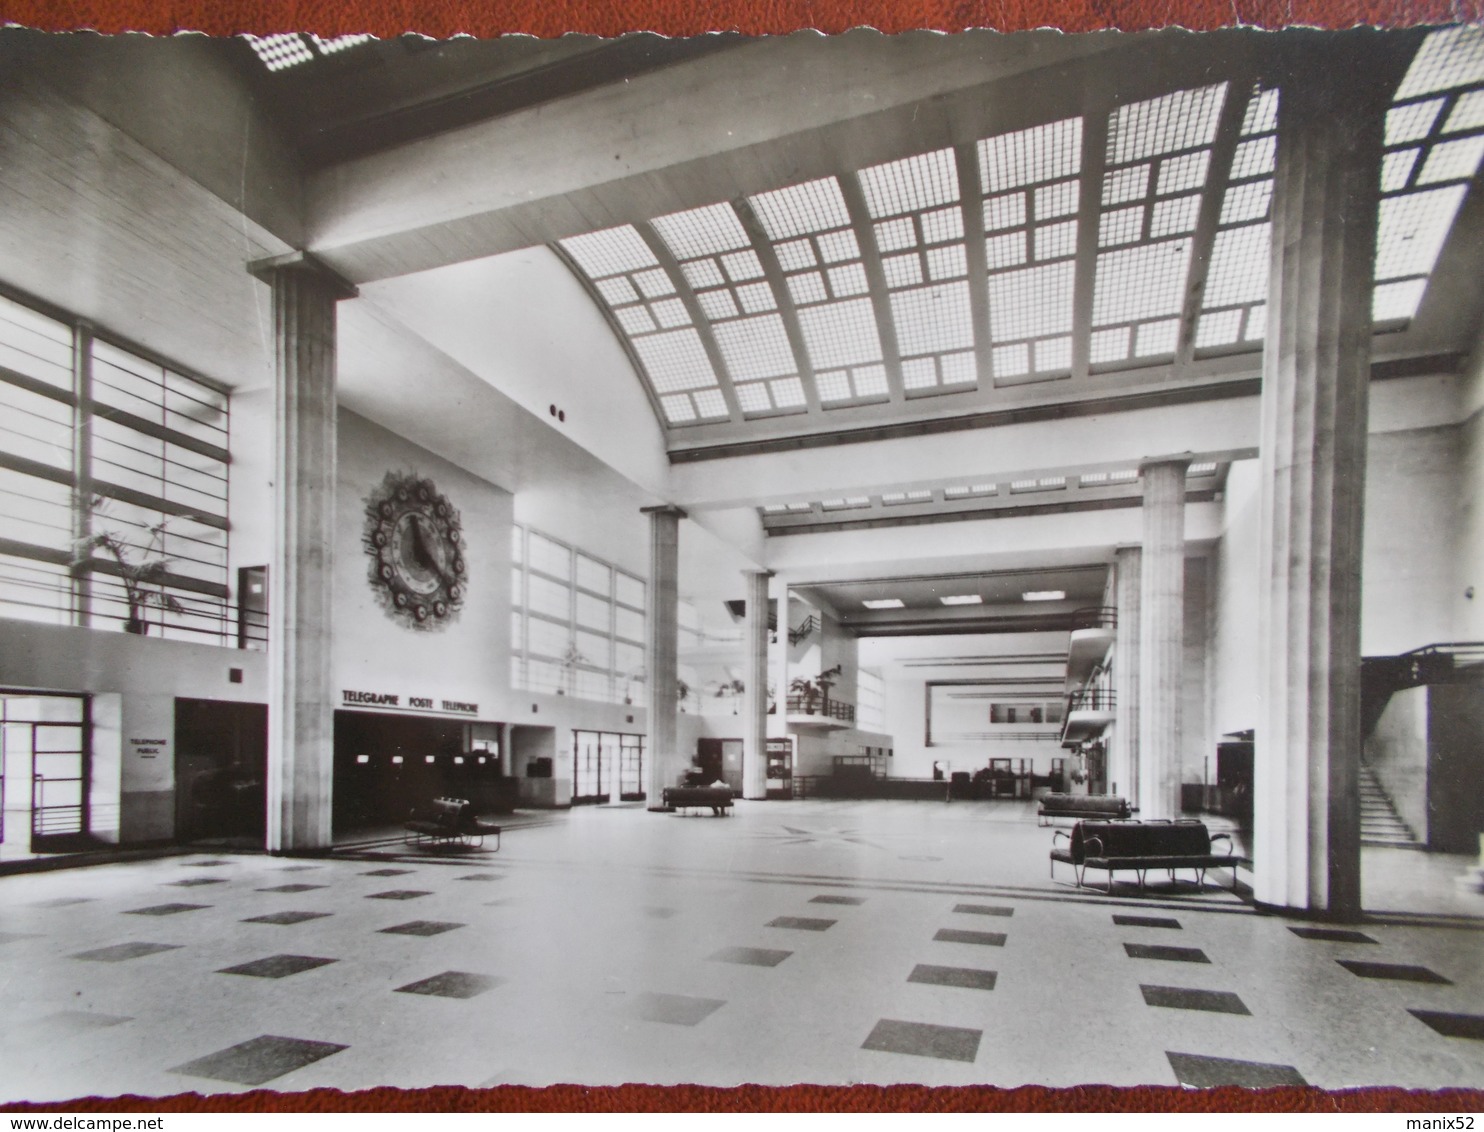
column 1188, row 998
column 984, row 909
column 1333, row 935
column 802, row 923
column 963, row 935
column 258, row 1061
column 922, row 1039
column 453, row 984
column 389, row 872
column 1202, row 1072
column 659, row 913
column 481, row 876
column 970, row 978
column 165, row 909
column 277, row 966
column 1146, row 922
column 285, row 918
column 1399, row 972
column 64, row 901
column 750, row 956
column 293, row 888
column 421, row 927
column 205, row 864
column 121, row 951
column 192, row 882
column 1160, row 951
column 675, row 1009
column 831, row 898
column 398, row 894
column 1452, row 1025
column 12, row 937
column 66, row 1024
column 300, row 868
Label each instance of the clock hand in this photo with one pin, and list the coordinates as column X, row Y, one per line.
column 429, row 552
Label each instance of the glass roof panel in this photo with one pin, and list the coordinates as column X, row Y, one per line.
column 1239, row 266
column 702, row 231
column 927, row 180
column 278, row 52
column 840, row 334
column 1185, row 119
column 1031, row 303
column 1026, row 157
column 610, row 251
column 1140, row 282
column 931, row 320
column 814, row 206
column 675, row 360
column 1412, row 228
column 1450, row 57
column 1467, row 113
column 755, row 347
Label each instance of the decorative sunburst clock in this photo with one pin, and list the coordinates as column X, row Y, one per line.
column 417, row 551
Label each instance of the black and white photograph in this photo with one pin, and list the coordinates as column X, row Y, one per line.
column 939, row 559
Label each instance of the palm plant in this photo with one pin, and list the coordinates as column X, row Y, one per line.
column 143, row 570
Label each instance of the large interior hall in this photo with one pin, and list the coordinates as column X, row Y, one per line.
column 940, row 559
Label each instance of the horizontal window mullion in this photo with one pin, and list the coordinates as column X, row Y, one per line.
column 16, row 549
column 153, row 503
column 36, row 468
column 161, row 432
column 35, row 385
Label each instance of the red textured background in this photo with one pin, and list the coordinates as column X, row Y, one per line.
column 688, row 17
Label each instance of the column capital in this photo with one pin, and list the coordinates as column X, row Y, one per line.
column 302, row 262
column 1184, row 459
column 759, row 573
column 664, row 509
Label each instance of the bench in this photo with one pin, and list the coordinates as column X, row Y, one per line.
column 1081, row 806
column 1141, row 846
column 719, row 798
column 450, row 821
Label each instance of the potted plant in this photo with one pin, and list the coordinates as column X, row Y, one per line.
column 806, row 690
column 570, row 660
column 682, row 692
column 142, row 569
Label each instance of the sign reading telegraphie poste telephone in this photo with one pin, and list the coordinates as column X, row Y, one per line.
column 394, row 700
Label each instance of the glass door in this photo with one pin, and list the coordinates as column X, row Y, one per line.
column 587, row 768
column 45, row 772
column 631, row 768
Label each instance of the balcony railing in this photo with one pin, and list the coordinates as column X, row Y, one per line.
column 45, row 593
column 1099, row 617
column 1092, row 699
column 821, row 706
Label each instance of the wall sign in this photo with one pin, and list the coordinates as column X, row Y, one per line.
column 148, row 748
column 395, row 700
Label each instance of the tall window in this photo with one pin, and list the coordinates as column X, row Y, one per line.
column 577, row 622
column 113, row 484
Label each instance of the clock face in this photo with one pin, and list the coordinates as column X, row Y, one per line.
column 416, row 547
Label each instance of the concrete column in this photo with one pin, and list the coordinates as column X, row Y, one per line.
column 1312, row 443
column 301, row 693
column 755, row 697
column 1161, row 637
column 661, row 637
column 1123, row 763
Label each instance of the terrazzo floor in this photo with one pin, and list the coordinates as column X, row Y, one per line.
column 831, row 942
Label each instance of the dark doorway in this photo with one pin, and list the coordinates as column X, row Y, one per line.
column 387, row 766
column 221, row 760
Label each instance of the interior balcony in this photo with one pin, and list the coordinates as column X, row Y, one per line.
column 1088, row 715
column 819, row 713
column 1093, row 631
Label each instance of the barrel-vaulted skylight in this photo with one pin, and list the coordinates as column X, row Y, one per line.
column 1063, row 250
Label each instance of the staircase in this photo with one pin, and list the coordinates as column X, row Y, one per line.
column 1379, row 822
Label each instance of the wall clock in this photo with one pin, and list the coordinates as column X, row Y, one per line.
column 416, row 547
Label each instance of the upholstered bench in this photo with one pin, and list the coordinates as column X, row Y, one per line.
column 448, row 821
column 719, row 798
column 1088, row 806
column 1141, row 846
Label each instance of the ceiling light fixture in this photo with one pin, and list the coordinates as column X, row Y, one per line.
column 883, row 603
column 962, row 599
column 1044, row 595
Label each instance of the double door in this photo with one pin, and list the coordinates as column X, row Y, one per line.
column 601, row 759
